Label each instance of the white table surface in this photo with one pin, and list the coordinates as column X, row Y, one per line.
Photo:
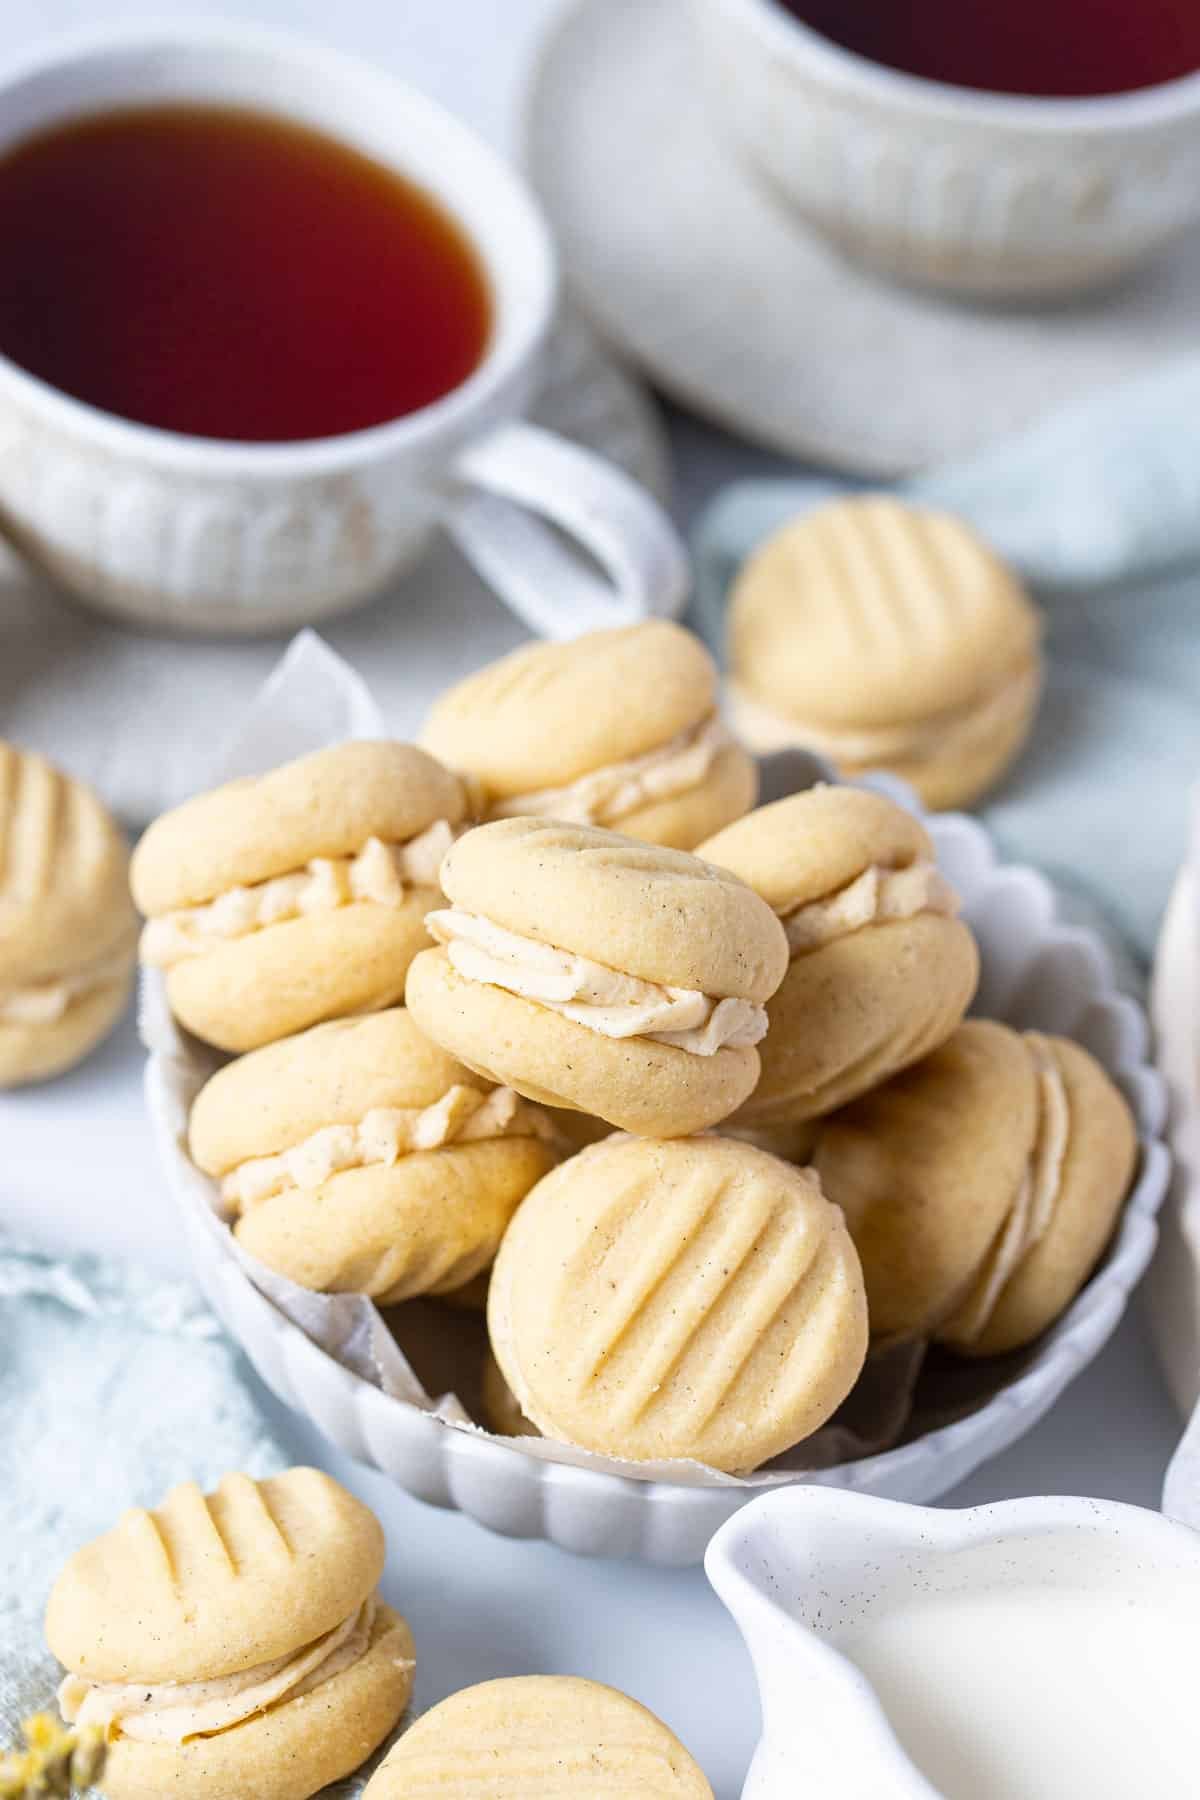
column 77, row 1168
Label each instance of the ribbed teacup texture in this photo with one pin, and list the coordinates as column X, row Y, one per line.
column 971, row 192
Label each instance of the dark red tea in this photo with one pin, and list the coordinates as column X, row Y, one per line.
column 227, row 274
column 1048, row 47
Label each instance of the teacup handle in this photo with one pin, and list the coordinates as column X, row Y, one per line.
column 569, row 542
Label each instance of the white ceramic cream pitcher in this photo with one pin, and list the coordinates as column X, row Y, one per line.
column 803, row 1570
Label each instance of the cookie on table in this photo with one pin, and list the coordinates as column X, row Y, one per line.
column 358, row 1157
column 280, row 901
column 233, row 1643
column 881, row 970
column 591, row 971
column 539, row 1734
column 684, row 1298
column 885, row 636
column 68, row 930
column 982, row 1186
column 617, row 728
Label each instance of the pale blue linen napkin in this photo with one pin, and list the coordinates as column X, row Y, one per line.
column 1098, row 507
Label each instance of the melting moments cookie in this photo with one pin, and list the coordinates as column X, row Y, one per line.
column 289, row 898
column 688, row 1298
column 359, row 1157
column 885, row 637
column 880, row 970
column 618, row 728
column 587, row 970
column 981, row 1186
column 531, row 1735
column 68, row 931
column 233, row 1643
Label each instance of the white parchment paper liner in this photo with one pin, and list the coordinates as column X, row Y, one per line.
column 314, row 699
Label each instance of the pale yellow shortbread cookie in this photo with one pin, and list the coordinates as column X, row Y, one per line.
column 550, row 1736
column 68, row 930
column 885, row 636
column 233, row 1644
column 981, row 1186
column 359, row 1157
column 688, row 1298
column 881, row 969
column 283, row 900
column 592, row 971
column 617, row 728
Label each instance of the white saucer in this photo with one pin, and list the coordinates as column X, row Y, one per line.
column 698, row 275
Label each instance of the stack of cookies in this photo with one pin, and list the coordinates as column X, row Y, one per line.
column 233, row 1643
column 886, row 636
column 540, row 1018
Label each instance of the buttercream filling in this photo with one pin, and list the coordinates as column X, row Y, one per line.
column 380, row 872
column 46, row 1002
column 957, row 732
column 877, row 895
column 463, row 1115
column 605, row 795
column 1032, row 1210
column 591, row 994
column 172, row 1712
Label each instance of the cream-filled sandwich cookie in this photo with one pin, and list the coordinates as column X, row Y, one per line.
column 358, row 1157
column 544, row 1736
column 981, row 1186
column 685, row 1298
column 68, row 931
column 280, row 901
column 233, row 1643
column 618, row 728
column 591, row 971
column 885, row 636
column 881, row 970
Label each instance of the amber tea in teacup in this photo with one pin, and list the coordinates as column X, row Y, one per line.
column 227, row 274
column 1066, row 48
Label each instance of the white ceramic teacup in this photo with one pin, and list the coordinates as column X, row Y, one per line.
column 200, row 534
column 803, row 1570
column 950, row 187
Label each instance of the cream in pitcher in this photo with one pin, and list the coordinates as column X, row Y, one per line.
column 1038, row 1692
column 1034, row 1650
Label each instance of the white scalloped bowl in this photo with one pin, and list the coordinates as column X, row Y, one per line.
column 1037, row 972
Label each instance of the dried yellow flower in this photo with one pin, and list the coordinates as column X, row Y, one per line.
column 56, row 1760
